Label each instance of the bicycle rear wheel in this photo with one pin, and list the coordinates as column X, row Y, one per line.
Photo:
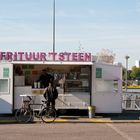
column 23, row 115
column 48, row 115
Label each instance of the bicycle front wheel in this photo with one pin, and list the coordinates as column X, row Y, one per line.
column 23, row 115
column 48, row 115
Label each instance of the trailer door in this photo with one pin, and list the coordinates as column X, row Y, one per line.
column 6, row 88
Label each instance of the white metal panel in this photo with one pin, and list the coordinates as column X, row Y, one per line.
column 6, row 98
column 106, row 102
column 110, row 72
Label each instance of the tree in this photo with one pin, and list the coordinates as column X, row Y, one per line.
column 106, row 56
column 129, row 75
column 135, row 74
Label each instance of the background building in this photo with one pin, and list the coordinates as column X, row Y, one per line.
column 137, row 63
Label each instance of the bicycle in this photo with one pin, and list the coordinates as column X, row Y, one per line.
column 26, row 113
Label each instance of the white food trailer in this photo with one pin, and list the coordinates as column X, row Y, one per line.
column 81, row 81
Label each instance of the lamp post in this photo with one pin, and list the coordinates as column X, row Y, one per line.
column 53, row 25
column 126, row 57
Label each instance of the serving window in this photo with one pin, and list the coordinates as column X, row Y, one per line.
column 70, row 78
column 4, row 86
column 78, row 80
column 107, row 86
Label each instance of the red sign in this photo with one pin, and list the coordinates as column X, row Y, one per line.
column 43, row 56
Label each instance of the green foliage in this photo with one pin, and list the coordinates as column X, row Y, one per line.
column 123, row 73
column 135, row 74
column 129, row 74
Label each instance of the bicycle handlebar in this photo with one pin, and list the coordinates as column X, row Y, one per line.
column 29, row 98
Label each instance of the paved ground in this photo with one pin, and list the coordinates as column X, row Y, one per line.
column 123, row 126
column 43, row 132
column 70, row 131
column 127, row 117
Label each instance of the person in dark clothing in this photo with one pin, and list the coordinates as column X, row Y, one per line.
column 50, row 94
column 45, row 78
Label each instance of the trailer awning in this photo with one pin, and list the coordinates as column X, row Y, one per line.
column 52, row 62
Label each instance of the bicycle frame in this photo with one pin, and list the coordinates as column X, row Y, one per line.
column 37, row 112
column 27, row 112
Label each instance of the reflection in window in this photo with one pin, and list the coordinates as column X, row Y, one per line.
column 107, row 86
column 4, row 85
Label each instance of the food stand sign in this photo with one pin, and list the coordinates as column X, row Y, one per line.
column 5, row 72
column 45, row 56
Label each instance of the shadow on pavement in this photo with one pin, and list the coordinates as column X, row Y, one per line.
column 79, row 117
column 125, row 115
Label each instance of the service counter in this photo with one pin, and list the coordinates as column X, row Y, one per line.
column 37, row 91
column 65, row 99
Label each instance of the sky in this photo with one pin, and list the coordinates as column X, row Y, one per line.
column 81, row 25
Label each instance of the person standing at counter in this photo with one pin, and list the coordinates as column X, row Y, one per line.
column 45, row 78
column 50, row 94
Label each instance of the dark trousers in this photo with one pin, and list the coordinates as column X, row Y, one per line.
column 51, row 103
